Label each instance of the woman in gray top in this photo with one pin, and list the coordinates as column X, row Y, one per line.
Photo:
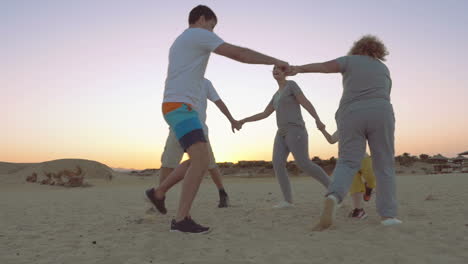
column 365, row 114
column 291, row 136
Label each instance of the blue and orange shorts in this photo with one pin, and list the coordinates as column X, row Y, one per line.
column 184, row 122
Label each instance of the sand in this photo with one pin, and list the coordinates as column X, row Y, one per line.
column 109, row 223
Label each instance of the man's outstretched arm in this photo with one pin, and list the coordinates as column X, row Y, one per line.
column 322, row 67
column 249, row 56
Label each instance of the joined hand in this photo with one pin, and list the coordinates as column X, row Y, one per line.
column 319, row 124
column 293, row 70
column 236, row 125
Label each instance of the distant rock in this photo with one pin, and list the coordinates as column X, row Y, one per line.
column 9, row 168
column 145, row 172
column 63, row 172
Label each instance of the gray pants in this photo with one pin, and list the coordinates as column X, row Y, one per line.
column 375, row 124
column 295, row 141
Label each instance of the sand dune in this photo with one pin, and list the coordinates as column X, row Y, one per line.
column 87, row 169
column 109, row 223
column 9, row 168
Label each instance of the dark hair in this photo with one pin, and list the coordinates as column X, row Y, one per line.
column 199, row 11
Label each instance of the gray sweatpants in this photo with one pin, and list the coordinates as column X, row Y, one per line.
column 295, row 142
column 375, row 124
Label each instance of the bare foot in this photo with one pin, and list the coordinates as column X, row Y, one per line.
column 328, row 215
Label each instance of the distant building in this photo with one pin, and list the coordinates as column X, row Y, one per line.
column 464, row 161
column 460, row 159
column 438, row 159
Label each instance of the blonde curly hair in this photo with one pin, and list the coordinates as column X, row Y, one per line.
column 369, row 45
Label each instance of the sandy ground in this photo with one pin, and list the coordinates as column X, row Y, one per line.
column 108, row 223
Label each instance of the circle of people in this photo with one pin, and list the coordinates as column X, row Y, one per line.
column 365, row 116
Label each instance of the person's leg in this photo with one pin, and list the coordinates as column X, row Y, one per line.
column 356, row 193
column 297, row 141
column 213, row 167
column 357, row 187
column 381, row 143
column 157, row 196
column 216, row 177
column 163, row 173
column 280, row 156
column 358, row 211
column 357, row 200
column 172, row 179
column 186, row 125
column 351, row 150
column 171, row 156
column 170, row 159
column 199, row 160
column 223, row 196
column 368, row 173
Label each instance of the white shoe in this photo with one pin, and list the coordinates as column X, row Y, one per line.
column 283, row 204
column 391, row 221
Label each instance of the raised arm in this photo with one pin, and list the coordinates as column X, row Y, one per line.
column 224, row 109
column 249, row 56
column 322, row 67
column 266, row 113
column 310, row 108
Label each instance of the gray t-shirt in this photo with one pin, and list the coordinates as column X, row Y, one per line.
column 364, row 78
column 288, row 109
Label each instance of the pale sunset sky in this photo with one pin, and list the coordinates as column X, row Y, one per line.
column 85, row 79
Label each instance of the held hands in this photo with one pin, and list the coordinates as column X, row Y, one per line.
column 288, row 69
column 293, row 70
column 319, row 124
column 236, row 125
column 284, row 66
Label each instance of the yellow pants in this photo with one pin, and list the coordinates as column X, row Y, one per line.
column 364, row 175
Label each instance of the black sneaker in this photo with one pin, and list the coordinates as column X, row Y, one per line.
column 158, row 204
column 188, row 226
column 358, row 213
column 223, row 199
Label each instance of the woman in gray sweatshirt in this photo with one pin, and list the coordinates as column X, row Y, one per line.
column 291, row 136
column 365, row 115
